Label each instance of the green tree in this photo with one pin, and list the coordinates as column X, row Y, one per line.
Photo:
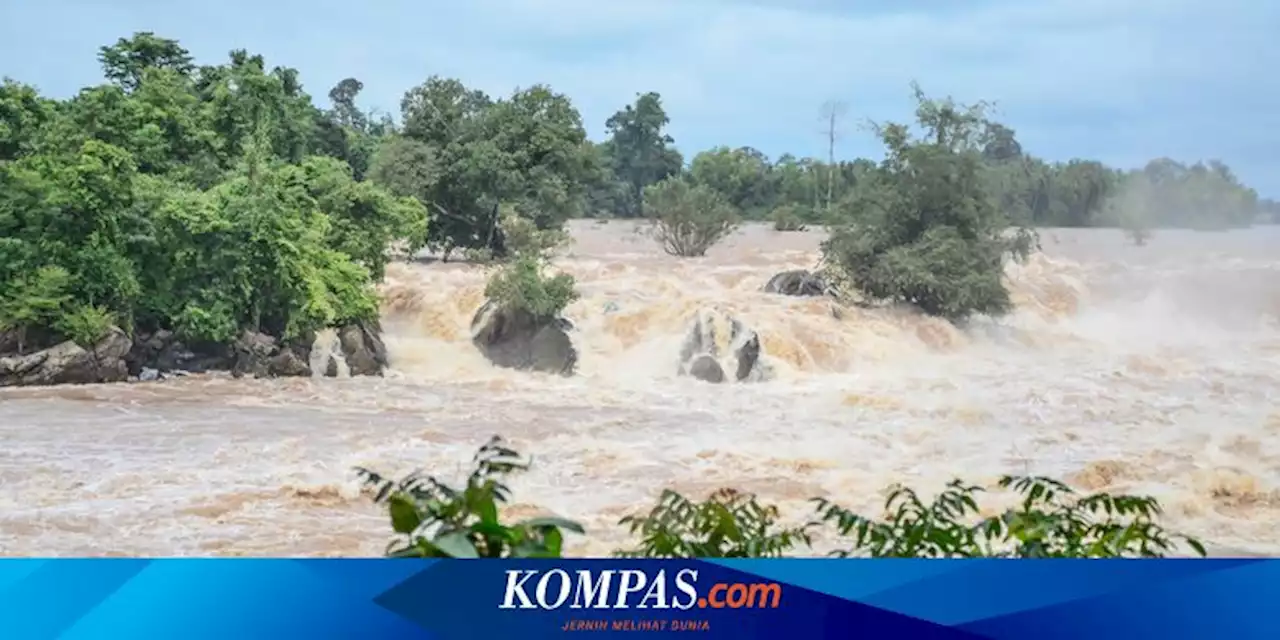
column 639, row 149
column 125, row 62
column 23, row 114
column 466, row 155
column 740, row 175
column 924, row 230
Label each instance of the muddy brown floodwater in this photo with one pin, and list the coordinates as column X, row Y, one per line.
column 1153, row 369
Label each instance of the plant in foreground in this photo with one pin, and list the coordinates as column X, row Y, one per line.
column 434, row 520
column 1051, row 521
column 729, row 524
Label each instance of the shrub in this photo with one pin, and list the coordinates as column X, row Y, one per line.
column 728, row 524
column 687, row 220
column 86, row 325
column 32, row 301
column 921, row 228
column 1052, row 521
column 789, row 218
column 522, row 235
column 521, row 284
column 434, row 520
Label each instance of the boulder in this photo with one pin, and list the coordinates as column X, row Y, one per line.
column 294, row 360
column 164, row 352
column 718, row 343
column 69, row 363
column 253, row 354
column 706, row 368
column 363, row 349
column 798, row 283
column 516, row 339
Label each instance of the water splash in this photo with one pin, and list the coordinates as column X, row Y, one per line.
column 1151, row 370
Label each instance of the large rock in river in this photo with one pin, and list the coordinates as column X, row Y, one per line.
column 719, row 347
column 798, row 283
column 163, row 351
column 70, row 363
column 363, row 349
column 516, row 339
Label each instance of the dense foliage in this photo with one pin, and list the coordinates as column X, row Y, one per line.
column 1050, row 520
column 213, row 199
column 923, row 228
column 435, row 520
column 206, row 200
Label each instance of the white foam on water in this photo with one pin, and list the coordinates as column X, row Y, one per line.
column 1151, row 369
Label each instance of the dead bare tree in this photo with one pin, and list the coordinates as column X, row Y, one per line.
column 831, row 112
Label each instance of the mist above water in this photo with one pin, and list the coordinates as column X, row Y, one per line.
column 1149, row 369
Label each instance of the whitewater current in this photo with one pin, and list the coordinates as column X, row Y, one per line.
column 1144, row 369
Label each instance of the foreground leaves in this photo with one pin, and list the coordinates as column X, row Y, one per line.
column 435, row 520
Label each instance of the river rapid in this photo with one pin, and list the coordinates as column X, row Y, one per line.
column 1147, row 369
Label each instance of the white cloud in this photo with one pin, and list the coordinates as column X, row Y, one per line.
column 1122, row 80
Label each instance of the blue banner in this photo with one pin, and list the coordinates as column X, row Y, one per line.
column 743, row 599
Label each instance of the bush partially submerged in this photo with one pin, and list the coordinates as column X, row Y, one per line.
column 922, row 228
column 1050, row 521
column 522, row 284
column 790, row 218
column 687, row 219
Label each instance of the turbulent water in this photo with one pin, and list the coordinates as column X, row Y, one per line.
column 1153, row 370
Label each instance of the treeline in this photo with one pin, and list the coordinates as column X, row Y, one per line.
column 1076, row 193
column 205, row 200
column 214, row 199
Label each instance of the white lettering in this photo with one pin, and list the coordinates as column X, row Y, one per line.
column 515, row 589
column 587, row 590
column 684, row 584
column 632, row 582
column 657, row 591
column 540, row 592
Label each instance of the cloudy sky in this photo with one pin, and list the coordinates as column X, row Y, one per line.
column 1118, row 80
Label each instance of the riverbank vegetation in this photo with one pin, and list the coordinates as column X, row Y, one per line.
column 210, row 200
column 433, row 519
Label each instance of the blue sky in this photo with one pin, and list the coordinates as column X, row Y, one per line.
column 1118, row 80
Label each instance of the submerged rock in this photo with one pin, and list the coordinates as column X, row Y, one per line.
column 718, row 343
column 798, row 283
column 516, row 339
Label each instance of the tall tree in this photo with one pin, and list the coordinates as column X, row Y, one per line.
column 124, row 62
column 640, row 150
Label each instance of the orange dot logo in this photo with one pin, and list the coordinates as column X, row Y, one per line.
column 702, row 603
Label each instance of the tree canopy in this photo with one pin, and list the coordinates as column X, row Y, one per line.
column 212, row 199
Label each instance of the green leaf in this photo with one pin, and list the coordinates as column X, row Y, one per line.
column 456, row 545
column 486, row 509
column 405, row 517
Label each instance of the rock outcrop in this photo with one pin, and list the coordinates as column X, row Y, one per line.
column 70, row 363
column 798, row 283
column 363, row 349
column 719, row 345
column 164, row 352
column 516, row 339
column 357, row 350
